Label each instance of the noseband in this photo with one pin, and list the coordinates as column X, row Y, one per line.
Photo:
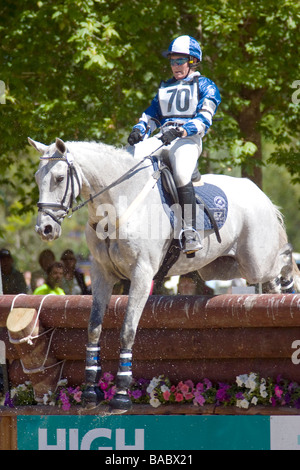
column 46, row 207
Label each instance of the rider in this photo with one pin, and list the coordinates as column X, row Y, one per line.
column 185, row 105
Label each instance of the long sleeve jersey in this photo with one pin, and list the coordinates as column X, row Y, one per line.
column 191, row 102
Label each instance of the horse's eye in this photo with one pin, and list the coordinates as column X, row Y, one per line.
column 59, row 179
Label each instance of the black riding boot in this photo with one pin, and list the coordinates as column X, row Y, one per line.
column 186, row 195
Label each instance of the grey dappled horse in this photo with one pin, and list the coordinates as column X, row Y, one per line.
column 128, row 233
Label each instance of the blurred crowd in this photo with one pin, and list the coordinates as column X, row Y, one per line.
column 61, row 277
column 64, row 277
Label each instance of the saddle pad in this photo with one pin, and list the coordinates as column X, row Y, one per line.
column 216, row 201
column 212, row 196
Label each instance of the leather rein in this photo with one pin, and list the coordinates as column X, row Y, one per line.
column 46, row 207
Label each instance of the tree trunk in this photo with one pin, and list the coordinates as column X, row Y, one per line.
column 248, row 122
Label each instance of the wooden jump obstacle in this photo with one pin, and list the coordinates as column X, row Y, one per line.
column 183, row 337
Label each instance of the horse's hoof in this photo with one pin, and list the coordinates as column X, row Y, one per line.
column 91, row 397
column 120, row 402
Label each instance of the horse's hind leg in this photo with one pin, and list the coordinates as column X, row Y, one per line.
column 288, row 270
column 284, row 282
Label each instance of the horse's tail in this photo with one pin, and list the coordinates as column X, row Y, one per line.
column 290, row 273
column 296, row 276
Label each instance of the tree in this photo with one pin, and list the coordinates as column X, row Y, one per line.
column 86, row 69
column 252, row 49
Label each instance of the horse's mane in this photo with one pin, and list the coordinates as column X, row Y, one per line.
column 97, row 148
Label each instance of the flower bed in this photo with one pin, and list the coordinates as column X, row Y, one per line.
column 248, row 390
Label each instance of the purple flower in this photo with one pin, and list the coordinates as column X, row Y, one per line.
column 199, row 399
column 108, row 394
column 297, row 404
column 8, row 401
column 222, row 394
column 207, row 383
column 273, row 401
column 136, row 394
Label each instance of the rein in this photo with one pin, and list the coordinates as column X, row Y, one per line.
column 44, row 206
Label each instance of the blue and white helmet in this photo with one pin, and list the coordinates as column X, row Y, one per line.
column 185, row 45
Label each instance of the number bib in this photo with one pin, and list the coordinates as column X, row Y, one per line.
column 180, row 99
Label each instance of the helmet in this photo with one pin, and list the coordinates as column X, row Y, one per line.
column 185, row 45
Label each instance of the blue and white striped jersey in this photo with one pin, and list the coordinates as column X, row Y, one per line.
column 191, row 102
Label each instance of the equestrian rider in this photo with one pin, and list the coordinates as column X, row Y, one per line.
column 184, row 105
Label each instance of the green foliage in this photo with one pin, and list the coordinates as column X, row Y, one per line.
column 86, row 69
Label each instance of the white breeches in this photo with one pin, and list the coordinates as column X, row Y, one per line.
column 183, row 154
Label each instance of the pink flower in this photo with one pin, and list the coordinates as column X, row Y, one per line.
column 183, row 388
column 77, row 395
column 188, row 396
column 166, row 395
column 278, row 391
column 178, row 397
column 103, row 385
column 108, row 377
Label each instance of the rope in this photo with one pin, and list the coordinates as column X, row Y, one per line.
column 28, row 339
column 42, row 367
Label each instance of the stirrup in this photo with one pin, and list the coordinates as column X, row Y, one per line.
column 191, row 244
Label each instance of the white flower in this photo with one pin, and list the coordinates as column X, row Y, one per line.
column 242, row 403
column 241, row 379
column 254, row 401
column 164, row 388
column 155, row 402
column 154, row 382
column 251, row 383
column 262, row 391
column 21, row 388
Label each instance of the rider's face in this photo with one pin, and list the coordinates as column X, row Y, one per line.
column 180, row 71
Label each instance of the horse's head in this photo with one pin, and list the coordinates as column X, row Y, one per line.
column 59, row 185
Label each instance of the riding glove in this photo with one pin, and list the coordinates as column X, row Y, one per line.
column 135, row 137
column 171, row 135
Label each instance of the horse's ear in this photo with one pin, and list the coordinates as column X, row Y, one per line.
column 60, row 145
column 41, row 148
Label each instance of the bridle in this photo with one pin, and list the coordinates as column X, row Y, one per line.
column 72, row 175
column 46, row 207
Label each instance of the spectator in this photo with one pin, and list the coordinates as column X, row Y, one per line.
column 46, row 258
column 73, row 282
column 13, row 281
column 54, row 278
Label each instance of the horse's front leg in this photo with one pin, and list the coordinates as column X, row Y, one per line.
column 92, row 395
column 138, row 295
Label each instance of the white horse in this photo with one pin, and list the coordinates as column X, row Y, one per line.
column 128, row 233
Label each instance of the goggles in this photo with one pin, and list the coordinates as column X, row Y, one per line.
column 180, row 61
